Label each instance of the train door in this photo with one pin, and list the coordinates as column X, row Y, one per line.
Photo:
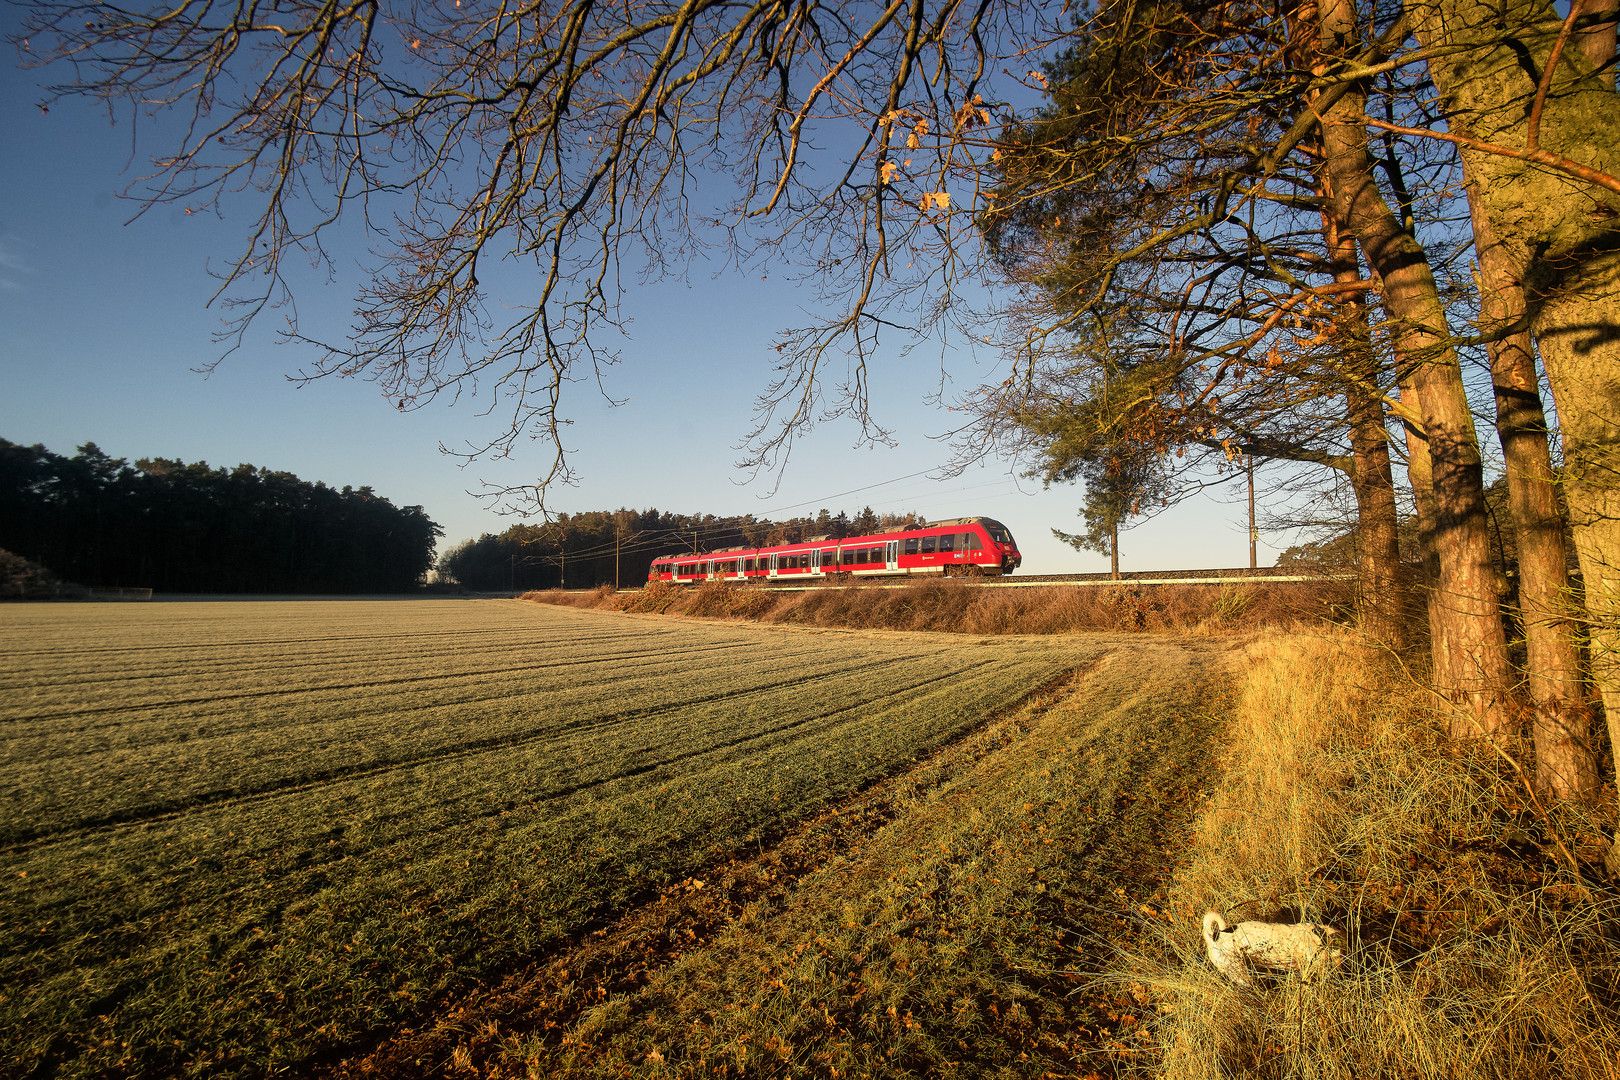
column 772, row 574
column 891, row 554
column 815, row 562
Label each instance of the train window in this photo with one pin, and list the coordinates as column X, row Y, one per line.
column 928, row 544
column 874, row 555
column 947, row 542
column 829, row 558
column 970, row 542
column 911, row 545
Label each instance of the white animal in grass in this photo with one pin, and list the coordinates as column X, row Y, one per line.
column 1302, row 947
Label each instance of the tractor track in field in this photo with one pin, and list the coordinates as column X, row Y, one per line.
column 544, row 1004
column 404, row 838
column 304, row 783
column 207, row 656
column 327, row 688
column 432, row 637
column 621, row 952
column 275, row 887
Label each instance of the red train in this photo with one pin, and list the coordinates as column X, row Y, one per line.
column 958, row 546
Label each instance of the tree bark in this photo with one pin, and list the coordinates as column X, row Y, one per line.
column 1378, row 551
column 1470, row 640
column 1566, row 767
column 1597, row 41
column 1562, row 237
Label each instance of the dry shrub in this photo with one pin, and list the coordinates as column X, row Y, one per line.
column 958, row 607
column 848, row 607
column 933, row 605
column 566, row 597
column 1473, row 948
column 655, row 598
column 721, row 600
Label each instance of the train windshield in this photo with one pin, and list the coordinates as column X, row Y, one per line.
column 998, row 532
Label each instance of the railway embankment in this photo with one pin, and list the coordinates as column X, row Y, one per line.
column 958, row 606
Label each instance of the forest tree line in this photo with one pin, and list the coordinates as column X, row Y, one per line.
column 616, row 547
column 174, row 526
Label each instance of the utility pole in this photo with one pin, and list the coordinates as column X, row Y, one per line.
column 1113, row 549
column 1254, row 533
column 694, row 541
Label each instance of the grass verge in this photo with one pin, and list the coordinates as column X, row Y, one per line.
column 1477, row 948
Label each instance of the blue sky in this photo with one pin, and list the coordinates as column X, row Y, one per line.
column 104, row 323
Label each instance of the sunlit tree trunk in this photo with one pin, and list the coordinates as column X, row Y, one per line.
column 1469, row 628
column 1565, row 764
column 1562, row 236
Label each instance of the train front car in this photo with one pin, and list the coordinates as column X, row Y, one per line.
column 1001, row 539
column 985, row 547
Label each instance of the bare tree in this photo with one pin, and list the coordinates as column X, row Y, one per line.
column 580, row 139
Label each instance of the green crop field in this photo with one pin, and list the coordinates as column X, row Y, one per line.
column 236, row 837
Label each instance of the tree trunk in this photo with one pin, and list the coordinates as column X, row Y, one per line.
column 1465, row 602
column 1566, row 767
column 1420, row 477
column 1562, row 237
column 1597, row 41
column 1378, row 552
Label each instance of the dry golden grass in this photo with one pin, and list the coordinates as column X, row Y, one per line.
column 1475, row 948
column 957, row 607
